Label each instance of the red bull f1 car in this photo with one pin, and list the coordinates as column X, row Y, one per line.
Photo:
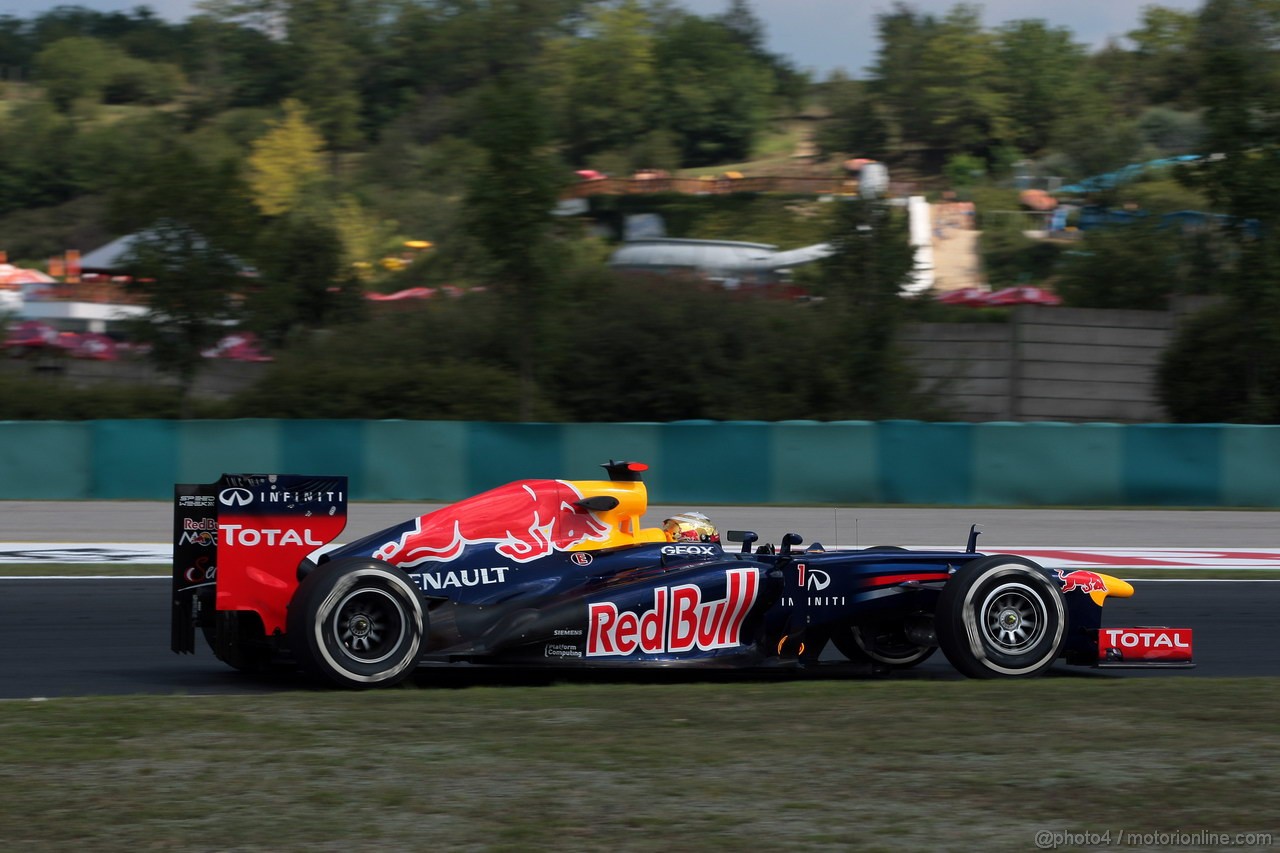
column 563, row 573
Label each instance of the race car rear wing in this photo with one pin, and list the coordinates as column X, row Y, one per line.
column 237, row 544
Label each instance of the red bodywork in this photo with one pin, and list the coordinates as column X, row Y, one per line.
column 527, row 519
column 1162, row 645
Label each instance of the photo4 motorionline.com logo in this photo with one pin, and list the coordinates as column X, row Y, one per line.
column 1051, row 840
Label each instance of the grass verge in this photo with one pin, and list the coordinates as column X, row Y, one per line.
column 703, row 766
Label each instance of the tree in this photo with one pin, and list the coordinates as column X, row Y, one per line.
column 76, row 68
column 36, row 163
column 189, row 285
column 1041, row 66
column 1237, row 42
column 965, row 109
column 940, row 80
column 17, row 48
column 897, row 77
column 1094, row 136
column 321, row 35
column 302, row 280
column 1164, row 67
column 610, row 93
column 855, row 126
column 508, row 211
column 862, row 281
column 715, row 95
column 196, row 225
column 285, row 161
column 1122, row 266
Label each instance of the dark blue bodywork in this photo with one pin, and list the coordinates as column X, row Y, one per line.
column 556, row 610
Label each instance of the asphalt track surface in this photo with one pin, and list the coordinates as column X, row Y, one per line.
column 148, row 521
column 83, row 637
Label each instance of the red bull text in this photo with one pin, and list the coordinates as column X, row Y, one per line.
column 680, row 620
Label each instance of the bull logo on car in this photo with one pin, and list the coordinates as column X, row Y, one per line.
column 1081, row 580
column 526, row 520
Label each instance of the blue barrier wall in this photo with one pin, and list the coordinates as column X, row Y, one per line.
column 792, row 462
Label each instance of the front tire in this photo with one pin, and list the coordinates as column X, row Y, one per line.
column 357, row 623
column 1001, row 617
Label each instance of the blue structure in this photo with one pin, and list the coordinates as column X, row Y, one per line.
column 1132, row 172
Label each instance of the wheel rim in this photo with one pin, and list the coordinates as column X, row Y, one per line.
column 368, row 625
column 1014, row 618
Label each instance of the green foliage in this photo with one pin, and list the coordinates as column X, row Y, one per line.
column 323, row 37
column 1161, row 194
column 663, row 349
column 1121, row 266
column 609, row 80
column 75, row 68
column 508, row 212
column 136, row 81
column 46, row 231
column 36, row 166
column 447, row 360
column 1224, row 364
column 964, row 170
column 1009, row 258
column 188, row 263
column 713, row 94
column 862, row 283
column 449, row 390
column 285, row 161
column 1093, row 137
column 447, row 120
column 24, row 396
column 1222, row 368
column 1164, row 61
column 1039, row 66
column 302, row 279
column 89, row 69
column 857, row 125
column 1172, row 131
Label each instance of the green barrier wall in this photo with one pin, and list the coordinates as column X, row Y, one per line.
column 792, row 462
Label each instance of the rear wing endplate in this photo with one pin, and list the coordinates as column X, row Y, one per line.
column 262, row 510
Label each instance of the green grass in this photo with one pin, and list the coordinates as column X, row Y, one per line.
column 703, row 766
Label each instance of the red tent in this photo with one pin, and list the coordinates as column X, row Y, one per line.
column 410, row 293
column 32, row 334
column 1026, row 295
column 241, row 346
column 96, row 347
column 964, row 296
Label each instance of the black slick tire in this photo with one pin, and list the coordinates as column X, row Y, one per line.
column 1001, row 617
column 357, row 623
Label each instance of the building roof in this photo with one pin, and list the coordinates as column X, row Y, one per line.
column 726, row 256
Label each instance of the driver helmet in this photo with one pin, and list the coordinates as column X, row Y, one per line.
column 690, row 527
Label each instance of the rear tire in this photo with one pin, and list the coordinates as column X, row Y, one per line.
column 237, row 639
column 879, row 644
column 1001, row 617
column 357, row 623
